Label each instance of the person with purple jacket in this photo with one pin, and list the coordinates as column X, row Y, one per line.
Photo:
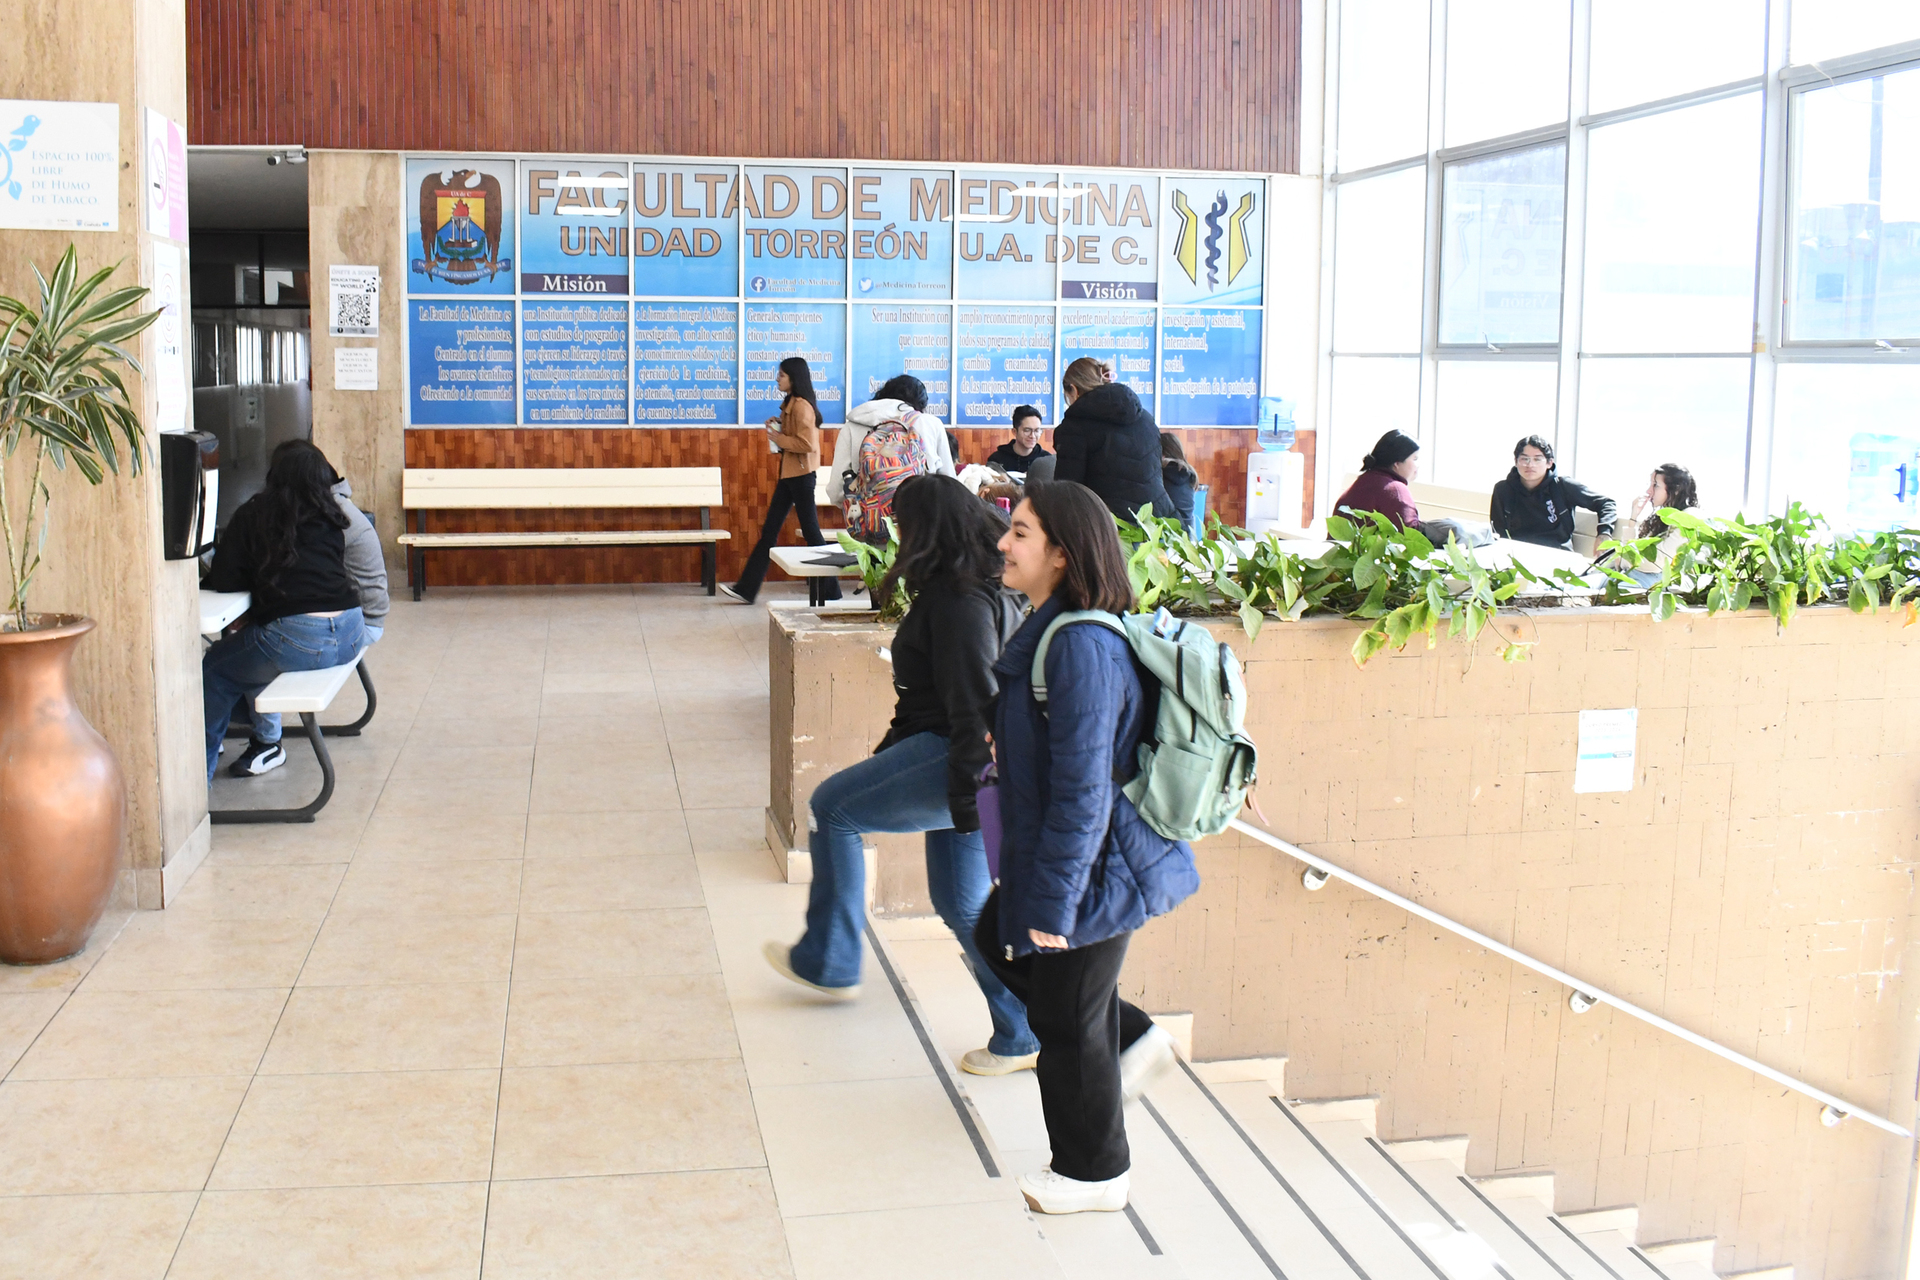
column 1382, row 483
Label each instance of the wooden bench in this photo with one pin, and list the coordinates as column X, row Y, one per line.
column 306, row 694
column 559, row 488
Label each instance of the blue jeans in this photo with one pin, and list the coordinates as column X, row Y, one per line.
column 903, row 788
column 266, row 724
column 241, row 665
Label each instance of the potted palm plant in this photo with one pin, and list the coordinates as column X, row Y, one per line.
column 63, row 408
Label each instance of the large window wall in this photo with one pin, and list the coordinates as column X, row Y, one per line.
column 1649, row 232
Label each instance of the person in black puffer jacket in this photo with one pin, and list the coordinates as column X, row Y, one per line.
column 925, row 773
column 1108, row 442
column 1535, row 502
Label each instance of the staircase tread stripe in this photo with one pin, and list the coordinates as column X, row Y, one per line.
column 1635, row 1250
column 1146, row 1236
column 1514, row 1227
column 962, row 1107
column 1555, row 1220
column 1288, row 1187
column 1438, row 1208
column 1361, row 1190
column 1226, row 1206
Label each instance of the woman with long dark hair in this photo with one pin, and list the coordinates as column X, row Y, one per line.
column 795, row 436
column 1181, row 479
column 1670, row 486
column 1080, row 869
column 924, row 774
column 287, row 546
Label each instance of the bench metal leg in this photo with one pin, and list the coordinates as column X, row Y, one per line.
column 709, row 567
column 306, row 812
column 417, row 570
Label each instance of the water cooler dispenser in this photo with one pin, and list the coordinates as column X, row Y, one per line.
column 1276, row 477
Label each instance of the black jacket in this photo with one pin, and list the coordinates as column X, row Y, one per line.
column 943, row 655
column 1008, row 459
column 316, row 582
column 1180, row 482
column 1108, row 442
column 1545, row 515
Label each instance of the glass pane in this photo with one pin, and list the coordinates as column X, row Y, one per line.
column 1484, row 406
column 1379, row 239
column 1383, row 82
column 1847, row 442
column 1500, row 239
column 1830, row 28
column 1856, row 201
column 1645, row 50
column 1506, row 67
column 1637, row 414
column 1371, row 397
column 1673, row 209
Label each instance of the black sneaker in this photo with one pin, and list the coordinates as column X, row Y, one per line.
column 258, row 758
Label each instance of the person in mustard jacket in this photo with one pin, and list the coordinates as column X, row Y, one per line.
column 795, row 434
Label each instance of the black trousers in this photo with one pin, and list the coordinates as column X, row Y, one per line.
column 1075, row 1010
column 795, row 494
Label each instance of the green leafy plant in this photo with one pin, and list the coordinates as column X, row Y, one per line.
column 62, row 397
column 875, row 563
column 1393, row 579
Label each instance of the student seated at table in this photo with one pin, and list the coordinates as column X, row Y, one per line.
column 1382, row 483
column 1535, row 503
column 1025, row 449
column 1180, row 478
column 367, row 566
column 287, row 546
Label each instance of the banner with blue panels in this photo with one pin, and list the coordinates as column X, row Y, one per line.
column 556, row 290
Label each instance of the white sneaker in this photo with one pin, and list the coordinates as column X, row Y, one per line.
column 1144, row 1059
column 732, row 595
column 780, row 956
column 985, row 1062
column 1048, row 1192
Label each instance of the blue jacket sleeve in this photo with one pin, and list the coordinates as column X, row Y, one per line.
column 1084, row 699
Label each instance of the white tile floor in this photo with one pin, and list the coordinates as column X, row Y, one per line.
column 501, row 1011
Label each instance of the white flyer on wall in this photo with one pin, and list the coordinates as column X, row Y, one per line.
column 356, row 368
column 1606, row 759
column 354, row 301
column 60, row 165
column 169, row 364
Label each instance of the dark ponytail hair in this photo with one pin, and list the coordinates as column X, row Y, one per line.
column 1389, row 450
column 945, row 532
column 299, row 488
column 800, row 378
column 1075, row 520
column 1682, row 493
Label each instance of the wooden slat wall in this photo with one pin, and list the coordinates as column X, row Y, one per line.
column 1218, row 454
column 1152, row 83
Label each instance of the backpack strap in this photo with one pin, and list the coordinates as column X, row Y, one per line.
column 1039, row 677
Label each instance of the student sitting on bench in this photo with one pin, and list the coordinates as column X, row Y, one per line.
column 287, row 546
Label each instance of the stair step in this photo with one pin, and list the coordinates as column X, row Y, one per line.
column 1515, row 1226
column 1236, row 1070
column 1360, row 1110
column 1518, row 1186
column 1531, row 1218
column 1452, row 1150
column 1290, row 1198
column 1698, row 1251
column 1624, row 1219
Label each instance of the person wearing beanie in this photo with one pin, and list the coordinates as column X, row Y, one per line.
column 1382, row 483
column 1535, row 502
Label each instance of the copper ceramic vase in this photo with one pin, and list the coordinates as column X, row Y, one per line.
column 63, row 803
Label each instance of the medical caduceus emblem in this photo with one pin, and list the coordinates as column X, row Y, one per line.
column 460, row 217
column 16, row 141
column 1187, row 248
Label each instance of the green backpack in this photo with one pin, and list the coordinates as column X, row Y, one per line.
column 1196, row 763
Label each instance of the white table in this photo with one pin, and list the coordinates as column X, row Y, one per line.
column 220, row 609
column 804, row 562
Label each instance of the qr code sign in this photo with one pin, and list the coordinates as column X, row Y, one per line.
column 355, row 302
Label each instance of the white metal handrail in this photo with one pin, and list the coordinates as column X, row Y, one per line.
column 1592, row 993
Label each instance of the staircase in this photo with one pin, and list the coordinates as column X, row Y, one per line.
column 1232, row 1179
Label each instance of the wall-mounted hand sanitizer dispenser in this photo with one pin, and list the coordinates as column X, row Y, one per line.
column 189, row 492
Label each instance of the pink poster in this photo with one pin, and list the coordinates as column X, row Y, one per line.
column 166, row 177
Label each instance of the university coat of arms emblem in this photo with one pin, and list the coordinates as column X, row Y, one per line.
column 460, row 218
